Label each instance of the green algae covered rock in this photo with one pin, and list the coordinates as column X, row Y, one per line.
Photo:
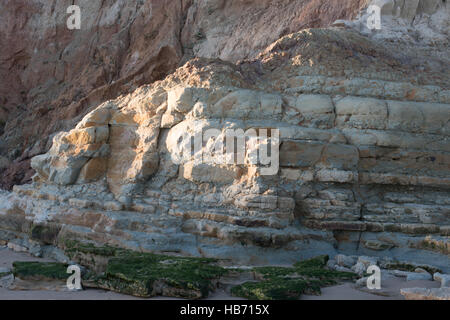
column 40, row 270
column 410, row 266
column 289, row 283
column 146, row 274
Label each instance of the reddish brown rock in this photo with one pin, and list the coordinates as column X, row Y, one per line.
column 53, row 76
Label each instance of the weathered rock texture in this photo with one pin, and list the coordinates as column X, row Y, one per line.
column 53, row 76
column 364, row 158
column 426, row 294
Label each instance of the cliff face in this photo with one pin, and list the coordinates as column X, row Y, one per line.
column 363, row 135
column 52, row 76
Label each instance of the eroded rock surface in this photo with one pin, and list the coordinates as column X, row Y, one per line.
column 54, row 76
column 360, row 169
column 363, row 160
column 426, row 294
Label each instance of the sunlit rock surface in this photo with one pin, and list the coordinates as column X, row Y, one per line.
column 363, row 158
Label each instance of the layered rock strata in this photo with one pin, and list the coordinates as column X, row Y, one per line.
column 53, row 76
column 363, row 160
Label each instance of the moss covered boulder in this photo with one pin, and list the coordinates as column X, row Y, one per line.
column 146, row 274
column 289, row 283
column 40, row 270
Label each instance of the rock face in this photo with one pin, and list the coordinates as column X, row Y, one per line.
column 426, row 294
column 54, row 76
column 361, row 162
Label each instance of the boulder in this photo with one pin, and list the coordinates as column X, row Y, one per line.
column 443, row 278
column 426, row 294
column 345, row 261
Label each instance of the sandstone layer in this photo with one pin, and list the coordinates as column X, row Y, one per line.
column 363, row 156
column 53, row 76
